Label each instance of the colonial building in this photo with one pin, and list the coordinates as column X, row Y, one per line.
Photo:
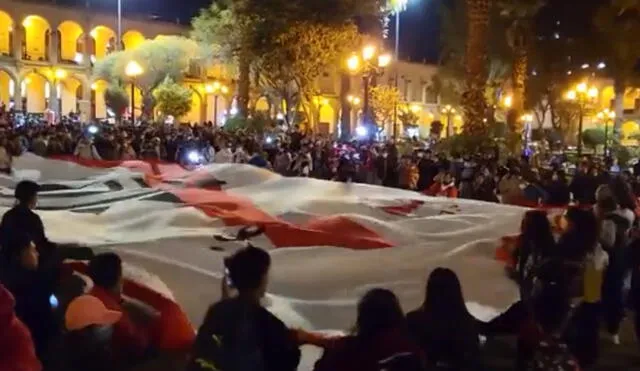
column 47, row 52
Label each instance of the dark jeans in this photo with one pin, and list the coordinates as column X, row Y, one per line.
column 583, row 334
column 613, row 291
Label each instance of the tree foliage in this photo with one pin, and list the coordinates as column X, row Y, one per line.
column 116, row 99
column 408, row 118
column 166, row 56
column 173, row 99
column 384, row 99
column 593, row 137
column 299, row 56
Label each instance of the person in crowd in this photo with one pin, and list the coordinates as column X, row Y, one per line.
column 510, row 188
column 87, row 343
column 444, row 186
column 443, row 327
column 224, row 155
column 381, row 340
column 557, row 190
column 237, row 332
column 409, row 174
column 130, row 340
column 428, row 169
column 535, row 245
column 616, row 220
column 86, row 150
column 583, row 186
column 484, row 188
column 533, row 191
column 17, row 350
column 6, row 157
column 31, row 290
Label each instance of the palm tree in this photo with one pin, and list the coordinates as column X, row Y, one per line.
column 519, row 15
column 473, row 99
column 618, row 24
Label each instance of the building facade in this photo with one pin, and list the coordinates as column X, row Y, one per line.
column 47, row 53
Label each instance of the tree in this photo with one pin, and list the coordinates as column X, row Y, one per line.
column 408, row 118
column 167, row 56
column 593, row 137
column 519, row 16
column 473, row 99
column 618, row 24
column 116, row 99
column 299, row 56
column 172, row 99
column 383, row 101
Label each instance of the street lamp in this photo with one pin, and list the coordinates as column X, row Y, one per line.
column 607, row 116
column 365, row 64
column 397, row 7
column 582, row 94
column 448, row 111
column 133, row 70
column 119, row 38
column 216, row 88
column 507, row 101
column 527, row 120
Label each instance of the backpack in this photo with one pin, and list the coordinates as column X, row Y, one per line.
column 552, row 354
column 231, row 343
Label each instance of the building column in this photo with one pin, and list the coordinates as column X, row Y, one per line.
column 53, row 46
column 203, row 109
column 17, row 95
column 87, row 51
column 85, row 103
column 18, row 36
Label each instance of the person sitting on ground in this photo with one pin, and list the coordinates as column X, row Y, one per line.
column 130, row 341
column 237, row 332
column 31, row 290
column 87, row 344
column 443, row 327
column 17, row 351
column 444, row 186
column 381, row 340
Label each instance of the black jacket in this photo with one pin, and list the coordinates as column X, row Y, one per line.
column 218, row 342
column 21, row 218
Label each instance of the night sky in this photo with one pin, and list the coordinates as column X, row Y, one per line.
column 420, row 25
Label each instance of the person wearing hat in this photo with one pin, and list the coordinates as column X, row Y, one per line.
column 86, row 345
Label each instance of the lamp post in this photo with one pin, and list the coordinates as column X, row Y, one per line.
column 398, row 7
column 216, row 88
column 607, row 116
column 527, row 120
column 58, row 76
column 119, row 38
column 370, row 63
column 133, row 70
column 582, row 94
column 448, row 111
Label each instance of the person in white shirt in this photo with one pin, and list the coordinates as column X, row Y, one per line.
column 224, row 155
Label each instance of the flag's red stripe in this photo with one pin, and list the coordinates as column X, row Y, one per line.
column 235, row 210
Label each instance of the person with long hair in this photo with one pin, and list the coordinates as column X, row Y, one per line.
column 380, row 339
column 443, row 327
column 535, row 244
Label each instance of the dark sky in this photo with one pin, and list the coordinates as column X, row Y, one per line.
column 420, row 26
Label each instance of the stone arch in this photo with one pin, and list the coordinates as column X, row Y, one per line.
column 37, row 37
column 35, row 90
column 104, row 41
column 6, row 33
column 132, row 39
column 71, row 92
column 70, row 41
column 197, row 104
column 8, row 85
column 263, row 104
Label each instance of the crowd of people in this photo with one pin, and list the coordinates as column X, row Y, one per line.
column 573, row 277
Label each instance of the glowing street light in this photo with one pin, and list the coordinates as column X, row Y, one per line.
column 384, row 60
column 607, row 117
column 216, row 88
column 448, row 111
column 582, row 94
column 133, row 69
column 508, row 101
column 354, row 101
column 353, row 63
column 368, row 52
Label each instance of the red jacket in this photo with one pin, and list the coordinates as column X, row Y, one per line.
column 17, row 352
column 129, row 339
column 437, row 189
column 351, row 353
